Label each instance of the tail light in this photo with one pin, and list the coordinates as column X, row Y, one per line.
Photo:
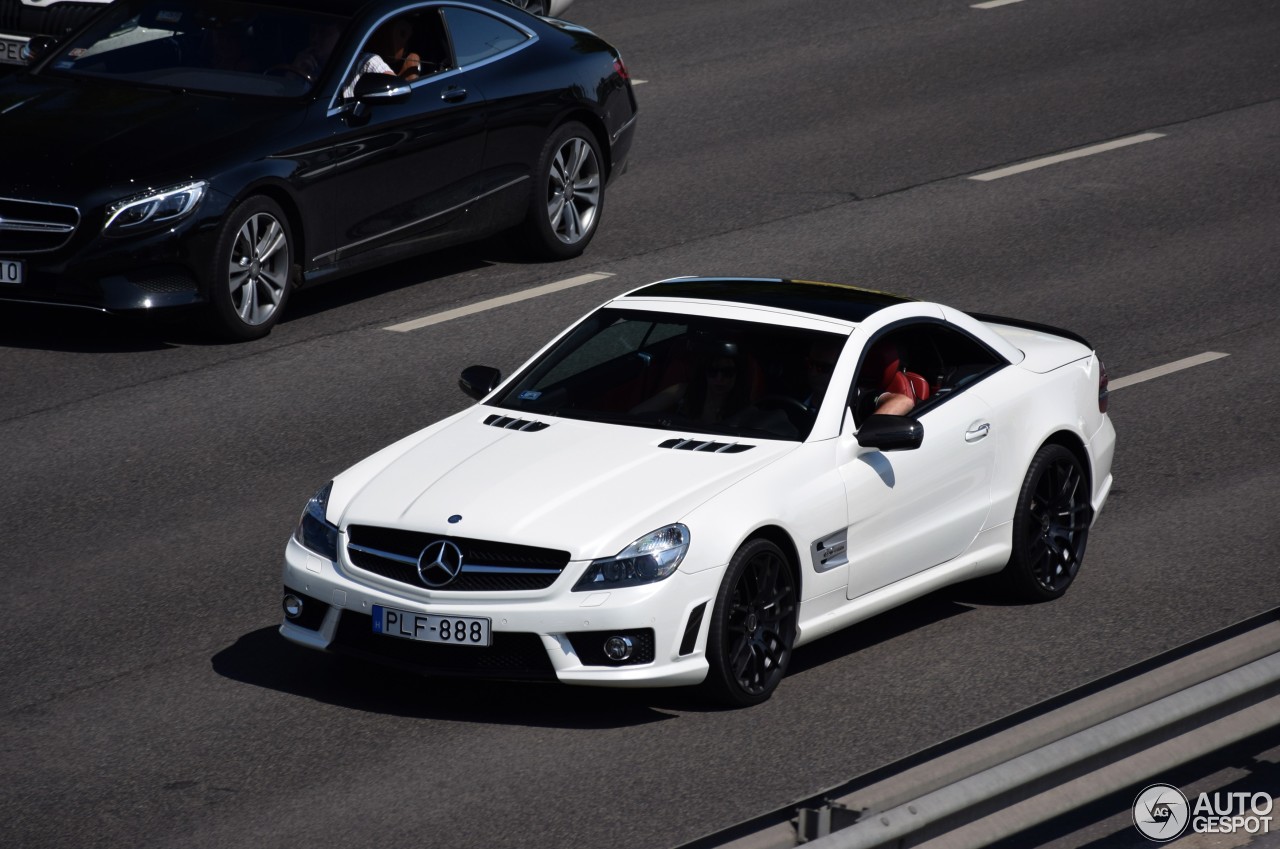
column 621, row 68
column 1103, row 393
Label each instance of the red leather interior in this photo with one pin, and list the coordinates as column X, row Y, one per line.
column 884, row 360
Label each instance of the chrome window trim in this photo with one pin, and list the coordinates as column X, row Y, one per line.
column 337, row 105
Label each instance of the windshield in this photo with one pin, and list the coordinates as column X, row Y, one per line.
column 206, row 45
column 676, row 372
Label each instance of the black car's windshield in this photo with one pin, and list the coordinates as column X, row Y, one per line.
column 708, row 375
column 205, row 45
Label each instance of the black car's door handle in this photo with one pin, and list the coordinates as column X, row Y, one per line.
column 454, row 95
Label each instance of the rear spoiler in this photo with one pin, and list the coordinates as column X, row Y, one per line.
column 1031, row 325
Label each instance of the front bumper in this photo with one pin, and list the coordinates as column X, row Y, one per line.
column 550, row 633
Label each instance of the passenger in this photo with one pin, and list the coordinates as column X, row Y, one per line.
column 718, row 390
column 312, row 58
column 819, row 365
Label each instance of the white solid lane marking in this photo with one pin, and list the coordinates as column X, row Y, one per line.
column 991, row 4
column 1161, row 371
column 1063, row 157
column 514, row 297
column 639, row 82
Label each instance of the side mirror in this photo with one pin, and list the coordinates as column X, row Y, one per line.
column 377, row 89
column 890, row 433
column 479, row 381
column 37, row 48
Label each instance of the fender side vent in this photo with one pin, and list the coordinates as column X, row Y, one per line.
column 514, row 424
column 703, row 445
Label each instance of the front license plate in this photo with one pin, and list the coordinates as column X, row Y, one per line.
column 429, row 628
column 11, row 50
column 12, row 272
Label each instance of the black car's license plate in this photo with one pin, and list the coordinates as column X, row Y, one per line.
column 430, row 628
column 12, row 272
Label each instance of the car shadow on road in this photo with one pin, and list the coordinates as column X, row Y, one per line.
column 91, row 331
column 263, row 658
column 79, row 331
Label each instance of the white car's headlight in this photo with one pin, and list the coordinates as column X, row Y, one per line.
column 153, row 209
column 314, row 531
column 651, row 558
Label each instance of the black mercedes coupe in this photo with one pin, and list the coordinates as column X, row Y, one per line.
column 224, row 153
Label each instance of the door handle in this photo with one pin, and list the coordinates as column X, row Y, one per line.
column 454, row 95
column 977, row 432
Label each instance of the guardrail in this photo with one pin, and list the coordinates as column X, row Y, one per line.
column 1039, row 763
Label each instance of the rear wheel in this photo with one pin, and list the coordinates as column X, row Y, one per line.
column 252, row 270
column 753, row 626
column 537, row 7
column 568, row 194
column 1050, row 526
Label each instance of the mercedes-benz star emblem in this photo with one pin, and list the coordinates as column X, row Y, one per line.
column 439, row 563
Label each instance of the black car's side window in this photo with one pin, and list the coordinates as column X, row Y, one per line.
column 477, row 36
column 928, row 361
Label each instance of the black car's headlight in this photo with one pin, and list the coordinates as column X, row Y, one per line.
column 314, row 531
column 651, row 558
column 157, row 208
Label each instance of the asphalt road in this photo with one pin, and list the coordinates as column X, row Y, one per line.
column 149, row 478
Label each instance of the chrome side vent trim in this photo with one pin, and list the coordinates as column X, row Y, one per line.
column 704, row 445
column 509, row 423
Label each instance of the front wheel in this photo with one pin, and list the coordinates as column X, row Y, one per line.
column 1050, row 526
column 753, row 627
column 568, row 194
column 252, row 270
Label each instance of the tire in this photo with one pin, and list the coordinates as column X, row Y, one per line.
column 252, row 271
column 537, row 7
column 568, row 194
column 753, row 626
column 1050, row 527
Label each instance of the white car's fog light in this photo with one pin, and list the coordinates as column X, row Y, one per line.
column 292, row 606
column 618, row 648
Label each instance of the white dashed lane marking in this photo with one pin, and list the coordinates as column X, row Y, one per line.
column 991, row 4
column 493, row 303
column 1063, row 157
column 1161, row 371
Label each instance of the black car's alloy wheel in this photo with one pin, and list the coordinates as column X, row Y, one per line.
column 753, row 627
column 1050, row 526
column 253, row 269
column 569, row 197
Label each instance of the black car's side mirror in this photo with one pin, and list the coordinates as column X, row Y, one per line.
column 890, row 433
column 479, row 381
column 377, row 89
column 37, row 48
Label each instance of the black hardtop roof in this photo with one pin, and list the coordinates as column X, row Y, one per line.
column 832, row 300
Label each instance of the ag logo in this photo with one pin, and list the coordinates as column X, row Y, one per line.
column 1161, row 812
column 439, row 563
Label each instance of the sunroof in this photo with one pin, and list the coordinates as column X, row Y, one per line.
column 833, row 300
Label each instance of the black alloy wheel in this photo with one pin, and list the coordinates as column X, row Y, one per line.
column 1050, row 526
column 253, row 270
column 753, row 627
column 568, row 194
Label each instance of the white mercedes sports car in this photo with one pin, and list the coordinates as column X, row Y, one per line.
column 702, row 475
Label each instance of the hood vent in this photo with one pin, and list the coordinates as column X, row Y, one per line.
column 509, row 423
column 702, row 445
